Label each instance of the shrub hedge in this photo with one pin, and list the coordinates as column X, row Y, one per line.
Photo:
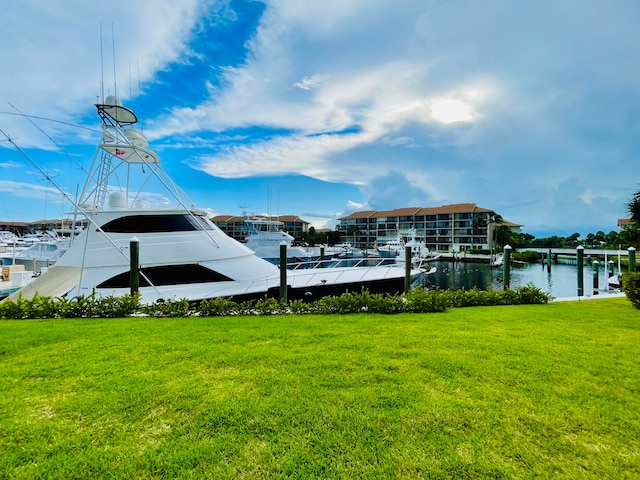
column 630, row 282
column 416, row 301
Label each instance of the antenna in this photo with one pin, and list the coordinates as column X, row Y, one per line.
column 113, row 47
column 138, row 62
column 101, row 68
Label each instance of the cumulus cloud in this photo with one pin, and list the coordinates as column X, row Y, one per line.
column 526, row 108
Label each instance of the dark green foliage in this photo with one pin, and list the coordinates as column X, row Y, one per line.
column 269, row 306
column 416, row 301
column 631, row 287
column 300, row 307
column 38, row 307
column 217, row 307
column 422, row 301
column 530, row 295
column 528, row 256
column 77, row 307
column 168, row 308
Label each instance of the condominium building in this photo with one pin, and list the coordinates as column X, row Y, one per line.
column 449, row 228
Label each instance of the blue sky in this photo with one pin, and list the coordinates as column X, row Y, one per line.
column 319, row 109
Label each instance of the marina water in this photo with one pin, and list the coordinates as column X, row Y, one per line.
column 560, row 281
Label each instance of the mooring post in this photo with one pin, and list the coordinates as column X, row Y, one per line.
column 549, row 260
column 632, row 259
column 580, row 263
column 610, row 270
column 407, row 268
column 596, row 273
column 506, row 266
column 321, row 253
column 283, row 272
column 134, row 264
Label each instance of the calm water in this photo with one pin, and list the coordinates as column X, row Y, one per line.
column 561, row 281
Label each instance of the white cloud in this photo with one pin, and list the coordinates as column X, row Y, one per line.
column 309, row 83
column 507, row 104
column 59, row 66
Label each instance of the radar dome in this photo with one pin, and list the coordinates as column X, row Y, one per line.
column 113, row 100
column 117, row 201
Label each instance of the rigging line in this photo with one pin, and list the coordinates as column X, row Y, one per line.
column 47, row 177
column 63, row 193
column 52, row 140
column 49, row 120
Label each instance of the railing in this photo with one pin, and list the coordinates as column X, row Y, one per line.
column 343, row 262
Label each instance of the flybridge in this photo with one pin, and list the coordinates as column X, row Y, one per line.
column 119, row 146
column 128, row 145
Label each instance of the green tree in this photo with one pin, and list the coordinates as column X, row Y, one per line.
column 573, row 239
column 630, row 236
column 633, row 208
column 503, row 236
column 612, row 239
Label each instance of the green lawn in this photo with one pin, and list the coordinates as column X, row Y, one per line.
column 534, row 391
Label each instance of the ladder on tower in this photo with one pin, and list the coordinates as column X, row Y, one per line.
column 103, row 181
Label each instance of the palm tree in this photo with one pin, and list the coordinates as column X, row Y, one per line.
column 633, row 208
column 631, row 233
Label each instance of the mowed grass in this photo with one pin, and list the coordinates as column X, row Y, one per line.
column 539, row 391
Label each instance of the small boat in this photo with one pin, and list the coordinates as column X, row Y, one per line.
column 396, row 248
column 391, row 249
column 181, row 253
column 614, row 282
column 496, row 261
column 267, row 236
column 39, row 254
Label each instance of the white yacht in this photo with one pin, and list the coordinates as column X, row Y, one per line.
column 182, row 254
column 396, row 248
column 43, row 253
column 266, row 236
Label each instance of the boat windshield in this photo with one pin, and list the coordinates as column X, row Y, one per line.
column 156, row 223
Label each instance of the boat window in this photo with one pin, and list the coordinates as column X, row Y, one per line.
column 152, row 223
column 168, row 275
column 201, row 222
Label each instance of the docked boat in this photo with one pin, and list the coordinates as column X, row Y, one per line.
column 38, row 254
column 613, row 282
column 266, row 237
column 182, row 254
column 396, row 248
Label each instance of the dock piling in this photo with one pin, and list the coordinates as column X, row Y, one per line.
column 134, row 265
column 283, row 272
column 407, row 268
column 580, row 262
column 506, row 266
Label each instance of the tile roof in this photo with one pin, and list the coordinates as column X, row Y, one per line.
column 410, row 211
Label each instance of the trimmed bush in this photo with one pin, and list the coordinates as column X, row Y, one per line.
column 416, row 301
column 630, row 282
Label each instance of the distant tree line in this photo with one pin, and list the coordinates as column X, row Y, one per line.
column 313, row 237
column 628, row 236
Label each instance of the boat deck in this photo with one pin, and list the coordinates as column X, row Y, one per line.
column 7, row 288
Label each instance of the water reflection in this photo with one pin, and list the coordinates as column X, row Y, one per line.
column 561, row 281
